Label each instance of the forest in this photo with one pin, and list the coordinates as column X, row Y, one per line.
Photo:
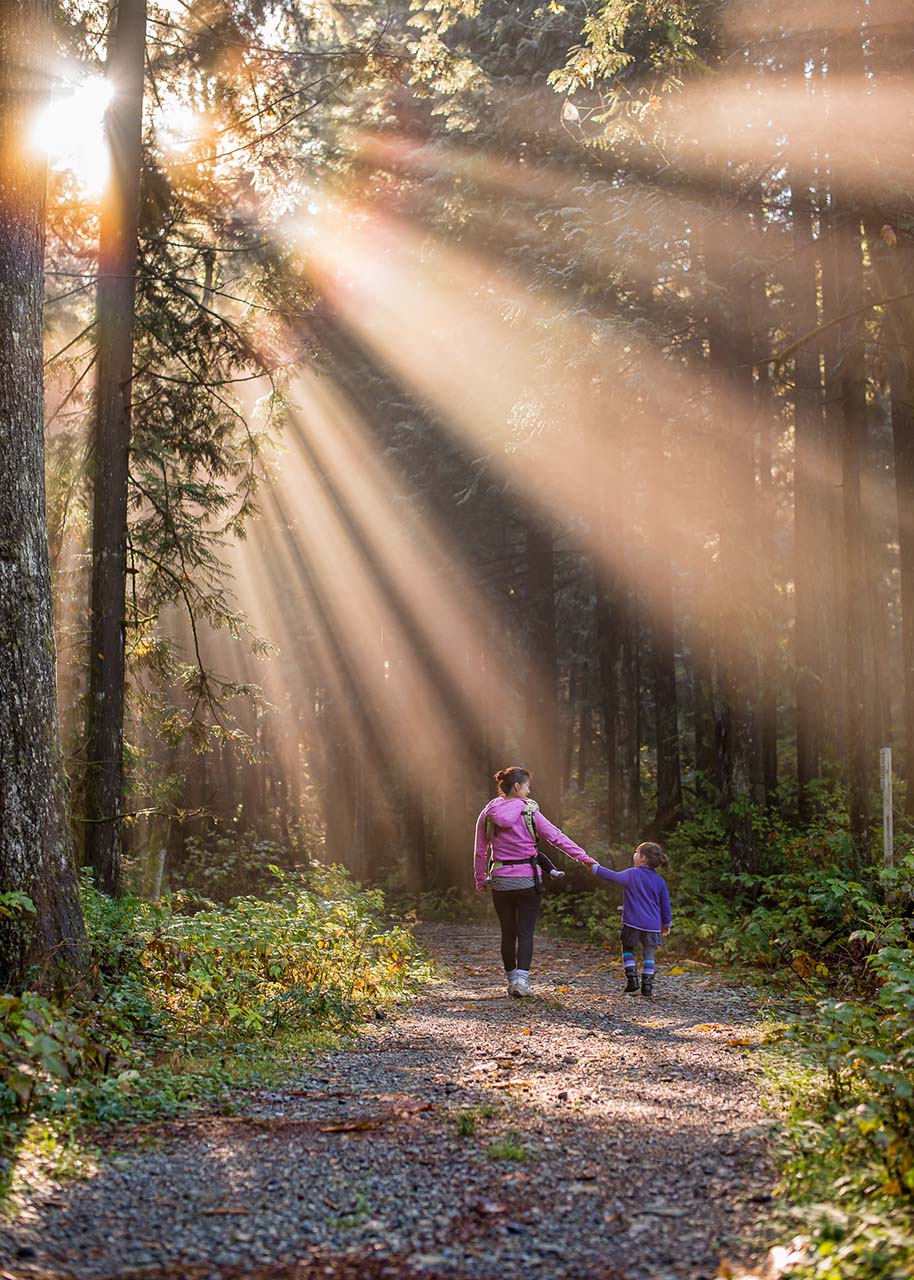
column 394, row 392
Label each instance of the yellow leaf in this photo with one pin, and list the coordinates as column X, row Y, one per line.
column 677, row 969
column 738, row 1040
column 526, row 1031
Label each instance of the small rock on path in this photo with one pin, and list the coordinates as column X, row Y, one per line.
column 637, row 1127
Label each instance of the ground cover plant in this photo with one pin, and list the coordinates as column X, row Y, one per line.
column 188, row 999
column 834, row 941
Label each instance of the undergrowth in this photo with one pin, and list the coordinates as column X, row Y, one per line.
column 812, row 923
column 187, row 1000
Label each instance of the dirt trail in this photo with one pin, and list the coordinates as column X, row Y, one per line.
column 637, row 1125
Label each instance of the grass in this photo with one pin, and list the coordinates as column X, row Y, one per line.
column 507, row 1147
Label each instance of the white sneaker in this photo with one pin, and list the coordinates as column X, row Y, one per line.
column 511, row 980
column 520, row 987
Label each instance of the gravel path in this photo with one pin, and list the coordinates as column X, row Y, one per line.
column 635, row 1126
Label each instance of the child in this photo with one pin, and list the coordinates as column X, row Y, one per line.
column 646, row 913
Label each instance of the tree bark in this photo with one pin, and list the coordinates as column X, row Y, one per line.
column 35, row 847
column 902, row 384
column 111, row 447
column 663, row 654
column 766, row 416
column 809, row 543
column 608, row 650
column 850, row 375
column 630, row 724
column 730, row 358
column 542, row 733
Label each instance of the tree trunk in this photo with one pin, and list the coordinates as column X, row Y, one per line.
column 35, row 848
column 568, row 753
column 663, row 651
column 608, row 647
column 850, row 376
column 585, row 743
column 111, row 447
column 630, row 723
column 809, row 543
column 730, row 352
column 903, row 438
column 542, row 743
column 766, row 416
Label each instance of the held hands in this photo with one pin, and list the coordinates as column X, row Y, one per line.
column 594, row 867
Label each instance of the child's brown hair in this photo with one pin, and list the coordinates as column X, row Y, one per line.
column 653, row 855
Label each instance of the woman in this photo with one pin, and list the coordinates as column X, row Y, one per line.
column 508, row 823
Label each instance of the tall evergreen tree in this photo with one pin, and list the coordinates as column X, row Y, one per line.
column 35, row 850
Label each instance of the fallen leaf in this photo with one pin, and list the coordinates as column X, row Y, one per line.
column 512, row 1084
column 352, row 1126
column 676, row 971
column 735, row 1040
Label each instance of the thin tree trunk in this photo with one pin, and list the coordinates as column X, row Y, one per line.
column 736, row 668
column 111, row 447
column 35, row 848
column 809, row 543
column 585, row 743
column 630, row 723
column 766, row 412
column 608, row 646
column 663, row 653
column 850, row 374
column 542, row 742
column 902, row 384
column 568, row 755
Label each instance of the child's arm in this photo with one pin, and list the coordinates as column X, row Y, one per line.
column 604, row 873
column 666, row 911
column 479, row 857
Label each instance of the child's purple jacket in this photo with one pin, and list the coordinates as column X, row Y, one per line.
column 645, row 897
column 512, row 840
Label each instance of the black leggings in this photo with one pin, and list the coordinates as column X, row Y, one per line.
column 517, row 910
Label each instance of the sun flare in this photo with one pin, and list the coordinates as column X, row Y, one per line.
column 70, row 130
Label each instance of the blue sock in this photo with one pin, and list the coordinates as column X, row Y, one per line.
column 628, row 960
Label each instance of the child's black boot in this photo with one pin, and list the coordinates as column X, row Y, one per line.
column 647, row 985
column 631, row 980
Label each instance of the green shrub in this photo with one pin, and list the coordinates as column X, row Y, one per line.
column 849, row 1172
column 177, row 998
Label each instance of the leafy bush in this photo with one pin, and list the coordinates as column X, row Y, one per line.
column 849, row 1175
column 229, row 863
column 178, row 984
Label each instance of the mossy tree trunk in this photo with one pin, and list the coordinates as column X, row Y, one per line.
column 35, row 847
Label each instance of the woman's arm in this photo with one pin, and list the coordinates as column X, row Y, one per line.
column 545, row 828
column 479, row 856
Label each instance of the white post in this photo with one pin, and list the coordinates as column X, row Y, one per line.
column 888, row 836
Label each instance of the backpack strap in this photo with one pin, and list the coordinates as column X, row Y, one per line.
column 530, row 808
column 536, row 859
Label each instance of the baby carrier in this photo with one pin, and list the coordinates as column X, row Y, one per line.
column 538, row 860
